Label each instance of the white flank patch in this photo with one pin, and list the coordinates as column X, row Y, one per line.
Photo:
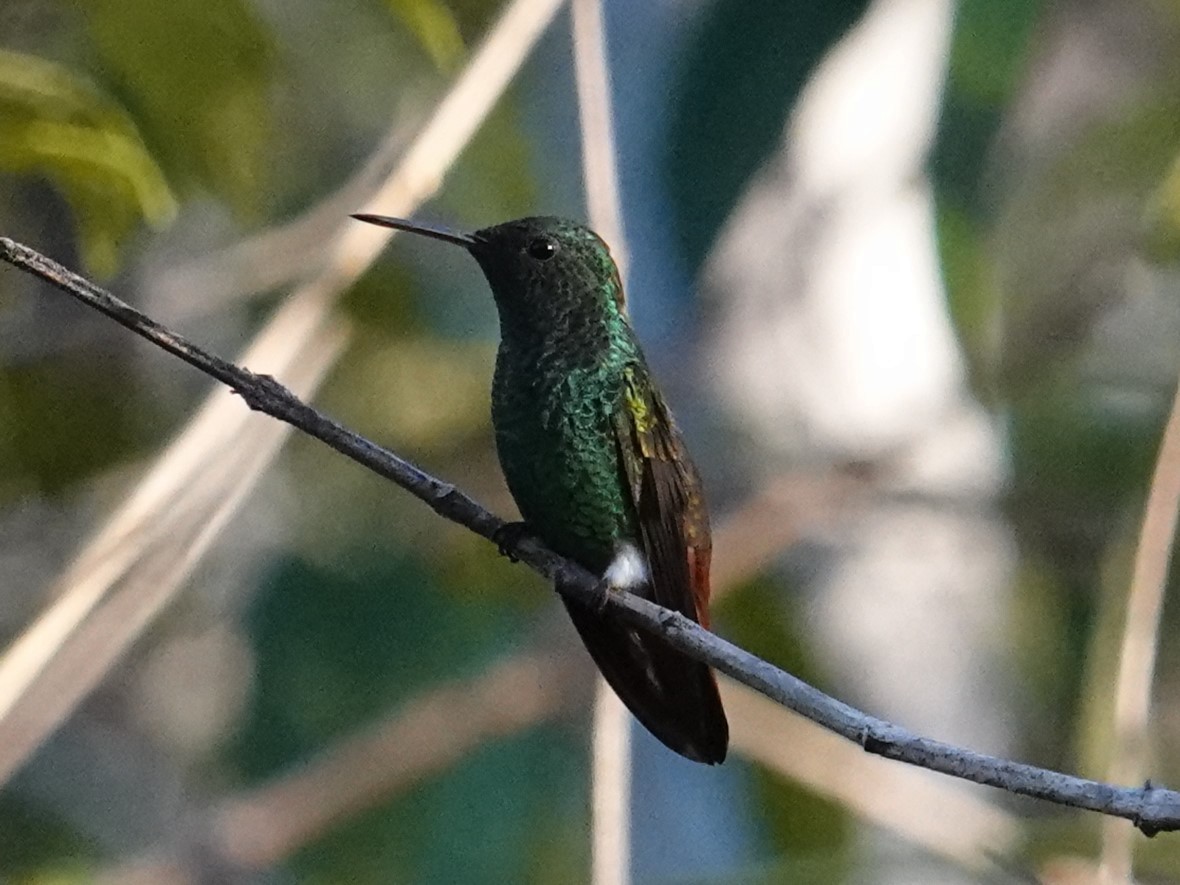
column 628, row 569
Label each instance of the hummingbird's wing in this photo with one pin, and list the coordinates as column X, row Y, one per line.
column 674, row 696
column 666, row 493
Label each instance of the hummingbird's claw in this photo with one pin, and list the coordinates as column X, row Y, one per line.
column 596, row 603
column 508, row 536
column 602, row 591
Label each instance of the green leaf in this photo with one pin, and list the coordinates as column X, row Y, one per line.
column 989, row 52
column 1163, row 217
column 196, row 76
column 57, row 123
column 435, row 27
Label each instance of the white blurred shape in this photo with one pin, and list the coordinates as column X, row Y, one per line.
column 871, row 107
column 832, row 342
column 831, row 259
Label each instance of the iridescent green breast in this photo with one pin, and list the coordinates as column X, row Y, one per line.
column 554, row 420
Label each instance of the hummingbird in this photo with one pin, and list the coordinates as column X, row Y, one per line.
column 594, row 461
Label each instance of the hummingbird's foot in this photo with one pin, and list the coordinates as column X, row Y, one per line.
column 596, row 601
column 602, row 592
column 508, row 536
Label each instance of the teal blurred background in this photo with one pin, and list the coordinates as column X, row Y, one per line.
column 960, row 290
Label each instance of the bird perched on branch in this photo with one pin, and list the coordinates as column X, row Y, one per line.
column 595, row 462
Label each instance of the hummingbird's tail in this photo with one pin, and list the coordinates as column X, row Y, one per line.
column 673, row 696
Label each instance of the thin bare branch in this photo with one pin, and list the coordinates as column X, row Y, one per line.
column 943, row 820
column 600, row 176
column 1152, row 809
column 610, row 794
column 1145, row 603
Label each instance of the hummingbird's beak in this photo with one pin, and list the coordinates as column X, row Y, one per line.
column 413, row 227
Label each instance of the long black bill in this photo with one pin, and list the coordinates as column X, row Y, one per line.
column 427, row 230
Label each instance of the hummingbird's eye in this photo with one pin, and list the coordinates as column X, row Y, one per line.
column 542, row 248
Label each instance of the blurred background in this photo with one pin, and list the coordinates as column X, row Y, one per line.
column 906, row 268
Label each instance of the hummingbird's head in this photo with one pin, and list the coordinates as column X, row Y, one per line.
column 541, row 266
column 538, row 268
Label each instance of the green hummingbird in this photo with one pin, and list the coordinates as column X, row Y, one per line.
column 594, row 461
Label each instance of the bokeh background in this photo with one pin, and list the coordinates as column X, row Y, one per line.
column 907, row 269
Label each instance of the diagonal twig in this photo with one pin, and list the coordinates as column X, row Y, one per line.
column 1152, row 809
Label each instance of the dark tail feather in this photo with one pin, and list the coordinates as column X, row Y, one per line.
column 673, row 696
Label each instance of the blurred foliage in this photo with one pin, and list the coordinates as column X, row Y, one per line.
column 336, row 650
column 133, row 111
column 33, row 841
column 800, row 824
column 436, row 28
column 495, row 181
column 970, row 289
column 196, row 75
column 52, row 400
column 1163, row 217
column 1068, row 231
column 989, row 52
column 988, row 57
column 1040, row 226
column 55, row 122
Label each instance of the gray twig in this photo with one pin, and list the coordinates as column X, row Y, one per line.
column 1152, row 809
